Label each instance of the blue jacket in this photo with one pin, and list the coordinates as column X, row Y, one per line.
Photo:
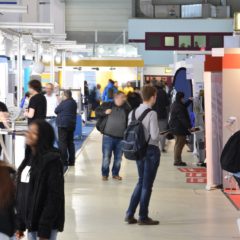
column 67, row 114
column 106, row 93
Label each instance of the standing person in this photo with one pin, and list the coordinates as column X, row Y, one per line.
column 148, row 166
column 109, row 91
column 98, row 95
column 128, row 88
column 4, row 117
column 134, row 99
column 161, row 107
column 37, row 108
column 87, row 107
column 7, row 196
column 180, row 124
column 40, row 186
column 66, row 122
column 113, row 120
column 52, row 103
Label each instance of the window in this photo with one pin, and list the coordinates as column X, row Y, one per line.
column 169, row 41
column 215, row 41
column 200, row 41
column 184, row 41
column 153, row 41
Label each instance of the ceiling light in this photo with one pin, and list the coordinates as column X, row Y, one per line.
column 75, row 58
column 24, row 25
column 58, row 59
column 46, row 58
column 8, row 8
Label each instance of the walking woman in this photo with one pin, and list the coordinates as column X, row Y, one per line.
column 7, row 196
column 40, row 186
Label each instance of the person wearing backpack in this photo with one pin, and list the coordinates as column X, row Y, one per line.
column 112, row 122
column 109, row 91
column 149, row 159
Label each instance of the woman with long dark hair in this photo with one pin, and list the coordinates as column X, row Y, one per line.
column 40, row 186
column 7, row 196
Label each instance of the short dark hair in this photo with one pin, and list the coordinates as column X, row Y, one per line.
column 180, row 96
column 35, row 85
column 148, row 92
column 111, row 81
column 67, row 93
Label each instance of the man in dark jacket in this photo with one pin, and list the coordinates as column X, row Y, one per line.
column 66, row 122
column 112, row 123
column 180, row 124
column 161, row 107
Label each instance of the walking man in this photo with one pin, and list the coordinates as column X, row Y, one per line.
column 112, row 123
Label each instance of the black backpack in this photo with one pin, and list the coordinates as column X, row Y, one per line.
column 134, row 142
column 230, row 158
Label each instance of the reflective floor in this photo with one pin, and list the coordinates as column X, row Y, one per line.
column 95, row 210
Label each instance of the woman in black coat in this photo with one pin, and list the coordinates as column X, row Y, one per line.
column 7, row 196
column 40, row 186
column 180, row 125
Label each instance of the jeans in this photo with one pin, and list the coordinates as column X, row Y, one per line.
column 66, row 145
column 33, row 235
column 111, row 145
column 52, row 122
column 147, row 171
column 163, row 125
column 5, row 237
column 179, row 145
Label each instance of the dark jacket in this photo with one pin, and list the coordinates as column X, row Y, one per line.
column 67, row 113
column 118, row 117
column 8, row 216
column 162, row 104
column 46, row 196
column 179, row 122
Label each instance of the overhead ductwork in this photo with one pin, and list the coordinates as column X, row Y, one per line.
column 182, row 2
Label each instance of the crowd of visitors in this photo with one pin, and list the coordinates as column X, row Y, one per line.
column 32, row 198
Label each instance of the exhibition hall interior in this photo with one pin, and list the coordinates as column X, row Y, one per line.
column 119, row 119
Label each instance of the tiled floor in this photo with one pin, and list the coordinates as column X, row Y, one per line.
column 95, row 210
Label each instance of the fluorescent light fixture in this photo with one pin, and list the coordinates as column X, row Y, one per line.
column 23, row 25
column 64, row 42
column 50, row 36
column 101, row 50
column 75, row 58
column 46, row 58
column 58, row 59
column 10, row 8
column 70, row 47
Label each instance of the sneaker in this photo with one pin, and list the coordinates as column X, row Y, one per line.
column 148, row 222
column 131, row 220
column 104, row 178
column 180, row 164
column 117, row 178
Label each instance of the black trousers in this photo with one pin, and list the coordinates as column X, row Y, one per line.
column 66, row 145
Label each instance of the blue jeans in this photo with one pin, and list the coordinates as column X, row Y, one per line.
column 111, row 146
column 53, row 123
column 33, row 235
column 5, row 237
column 147, row 171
